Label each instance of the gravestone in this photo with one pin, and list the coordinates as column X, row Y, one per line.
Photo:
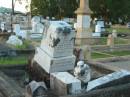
column 110, row 40
column 113, row 79
column 14, row 40
column 101, row 24
column 16, row 28
column 55, row 53
column 2, row 26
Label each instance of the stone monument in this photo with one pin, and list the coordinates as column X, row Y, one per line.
column 55, row 53
column 83, row 21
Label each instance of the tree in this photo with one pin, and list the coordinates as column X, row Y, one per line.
column 54, row 8
column 111, row 9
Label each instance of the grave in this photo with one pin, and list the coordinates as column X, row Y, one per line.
column 113, row 79
column 2, row 26
column 100, row 25
column 14, row 40
column 55, row 53
column 16, row 28
column 64, row 83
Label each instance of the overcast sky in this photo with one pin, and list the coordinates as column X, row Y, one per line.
column 18, row 7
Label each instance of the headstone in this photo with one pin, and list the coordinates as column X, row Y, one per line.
column 110, row 40
column 16, row 28
column 98, row 28
column 14, row 40
column 38, row 28
column 64, row 84
column 114, row 33
column 87, row 52
column 2, row 26
column 56, row 50
column 101, row 24
column 113, row 79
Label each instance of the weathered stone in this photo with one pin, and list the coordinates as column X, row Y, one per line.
column 64, row 83
column 116, row 78
column 56, row 50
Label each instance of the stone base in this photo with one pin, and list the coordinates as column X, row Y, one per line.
column 51, row 65
column 64, row 84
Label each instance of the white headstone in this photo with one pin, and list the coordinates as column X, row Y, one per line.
column 37, row 26
column 98, row 28
column 3, row 26
column 56, row 50
column 13, row 40
column 16, row 28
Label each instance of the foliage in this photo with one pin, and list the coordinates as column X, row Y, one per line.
column 54, row 8
column 111, row 9
column 108, row 9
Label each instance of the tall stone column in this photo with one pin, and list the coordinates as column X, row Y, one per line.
column 83, row 21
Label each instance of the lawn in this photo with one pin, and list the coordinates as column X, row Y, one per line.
column 9, row 61
column 103, row 41
column 119, row 29
column 120, row 53
column 96, row 55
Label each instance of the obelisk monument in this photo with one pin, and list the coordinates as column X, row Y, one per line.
column 83, row 21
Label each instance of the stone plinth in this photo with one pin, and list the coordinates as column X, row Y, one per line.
column 64, row 83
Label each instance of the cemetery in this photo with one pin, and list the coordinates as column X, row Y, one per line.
column 68, row 57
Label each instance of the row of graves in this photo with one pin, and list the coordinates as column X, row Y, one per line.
column 67, row 76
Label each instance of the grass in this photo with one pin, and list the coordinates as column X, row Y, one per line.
column 103, row 41
column 98, row 55
column 119, row 30
column 114, row 53
column 120, row 53
column 9, row 61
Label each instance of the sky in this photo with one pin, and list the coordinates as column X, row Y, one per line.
column 18, row 7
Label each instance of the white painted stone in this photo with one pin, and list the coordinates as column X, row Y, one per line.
column 96, row 34
column 56, row 50
column 98, row 28
column 106, row 79
column 82, row 72
column 13, row 40
column 51, row 64
column 70, row 83
column 65, row 43
column 2, row 26
column 37, row 26
column 16, row 28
